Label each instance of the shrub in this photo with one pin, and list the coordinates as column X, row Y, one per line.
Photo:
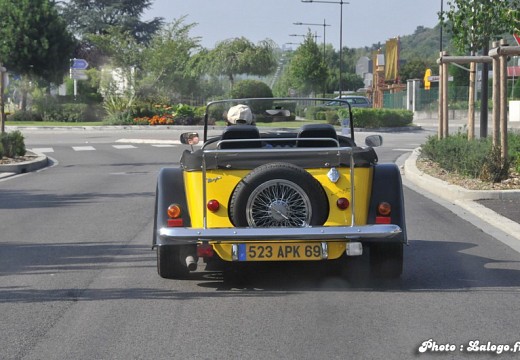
column 332, row 117
column 374, row 118
column 12, row 144
column 251, row 89
column 24, row 116
column 180, row 114
column 475, row 158
column 316, row 112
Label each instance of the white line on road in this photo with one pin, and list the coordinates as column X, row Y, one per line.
column 83, row 148
column 43, row 150
column 124, row 147
column 149, row 141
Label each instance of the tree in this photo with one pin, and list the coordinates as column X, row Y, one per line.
column 307, row 69
column 34, row 41
column 98, row 17
column 240, row 56
column 474, row 23
column 119, row 46
column 167, row 60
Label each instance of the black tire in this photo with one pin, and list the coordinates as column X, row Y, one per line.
column 278, row 195
column 386, row 260
column 170, row 264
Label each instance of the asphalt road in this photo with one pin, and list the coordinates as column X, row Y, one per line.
column 78, row 278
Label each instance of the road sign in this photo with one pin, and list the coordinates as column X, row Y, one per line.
column 436, row 78
column 79, row 64
column 517, row 38
column 78, row 74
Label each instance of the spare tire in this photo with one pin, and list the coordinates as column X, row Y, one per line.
column 278, row 195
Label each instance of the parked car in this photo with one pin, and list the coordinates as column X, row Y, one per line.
column 353, row 100
column 278, row 187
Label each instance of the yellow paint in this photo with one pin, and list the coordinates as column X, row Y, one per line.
column 222, row 182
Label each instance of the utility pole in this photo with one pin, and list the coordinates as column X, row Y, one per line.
column 2, row 105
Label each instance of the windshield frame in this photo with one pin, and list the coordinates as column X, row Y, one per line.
column 246, row 100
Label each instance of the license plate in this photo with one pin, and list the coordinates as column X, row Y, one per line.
column 279, row 251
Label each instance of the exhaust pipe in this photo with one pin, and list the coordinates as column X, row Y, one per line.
column 191, row 263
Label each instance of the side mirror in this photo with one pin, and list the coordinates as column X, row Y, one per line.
column 374, row 140
column 190, row 138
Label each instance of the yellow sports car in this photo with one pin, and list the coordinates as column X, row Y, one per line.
column 283, row 181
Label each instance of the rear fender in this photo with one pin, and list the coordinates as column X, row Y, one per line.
column 387, row 186
column 170, row 189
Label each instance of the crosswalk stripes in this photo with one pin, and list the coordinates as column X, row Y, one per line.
column 122, row 147
column 44, row 150
column 129, row 146
column 83, row 148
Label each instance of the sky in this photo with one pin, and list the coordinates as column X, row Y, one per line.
column 365, row 22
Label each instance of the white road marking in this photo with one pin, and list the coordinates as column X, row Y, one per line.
column 83, row 148
column 43, row 150
column 406, row 150
column 124, row 147
column 149, row 141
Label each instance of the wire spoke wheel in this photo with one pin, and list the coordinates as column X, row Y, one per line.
column 278, row 195
column 278, row 203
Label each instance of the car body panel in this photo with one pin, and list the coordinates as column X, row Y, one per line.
column 221, row 183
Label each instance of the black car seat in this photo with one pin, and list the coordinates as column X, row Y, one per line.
column 325, row 131
column 241, row 132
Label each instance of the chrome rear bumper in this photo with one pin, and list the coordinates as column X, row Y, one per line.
column 365, row 233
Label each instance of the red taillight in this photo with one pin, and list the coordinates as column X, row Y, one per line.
column 175, row 223
column 383, row 220
column 213, row 205
column 342, row 203
column 384, row 209
column 205, row 251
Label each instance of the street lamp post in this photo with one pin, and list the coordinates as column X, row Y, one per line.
column 304, row 36
column 340, row 3
column 324, row 33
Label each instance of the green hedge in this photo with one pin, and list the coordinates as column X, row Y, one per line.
column 67, row 112
column 363, row 118
column 377, row 118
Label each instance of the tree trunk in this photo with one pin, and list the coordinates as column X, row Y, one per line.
column 2, row 104
column 471, row 102
column 484, row 97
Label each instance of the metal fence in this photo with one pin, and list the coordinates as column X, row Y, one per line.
column 428, row 100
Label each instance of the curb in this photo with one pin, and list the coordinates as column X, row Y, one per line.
column 464, row 198
column 40, row 162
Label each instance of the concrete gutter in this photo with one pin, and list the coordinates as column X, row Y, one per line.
column 464, row 198
column 40, row 161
